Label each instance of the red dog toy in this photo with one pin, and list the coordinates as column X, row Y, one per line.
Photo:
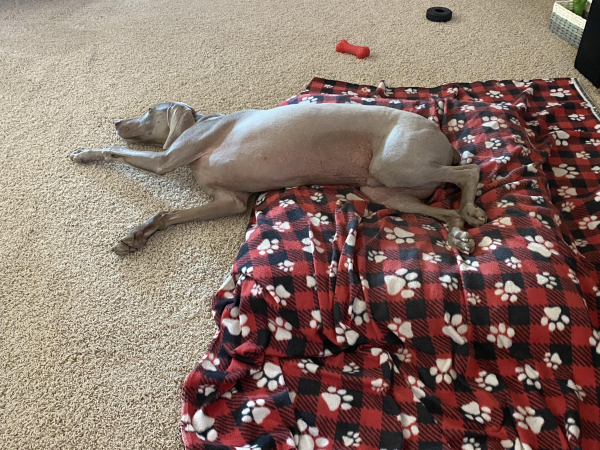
column 360, row 52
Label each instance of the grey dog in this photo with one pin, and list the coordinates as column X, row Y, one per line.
column 397, row 158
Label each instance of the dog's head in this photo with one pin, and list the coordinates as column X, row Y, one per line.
column 161, row 125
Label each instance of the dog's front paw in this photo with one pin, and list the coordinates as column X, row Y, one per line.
column 473, row 215
column 86, row 155
column 462, row 241
column 131, row 243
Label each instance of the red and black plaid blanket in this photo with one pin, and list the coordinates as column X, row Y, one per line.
column 345, row 325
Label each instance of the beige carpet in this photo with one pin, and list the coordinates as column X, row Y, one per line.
column 95, row 347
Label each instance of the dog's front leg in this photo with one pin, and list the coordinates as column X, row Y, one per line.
column 224, row 204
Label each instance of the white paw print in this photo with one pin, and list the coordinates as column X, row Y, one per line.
column 546, row 280
column 576, row 117
column 333, row 269
column 345, row 335
column 376, row 256
column 279, row 294
column 268, row 247
column 584, row 155
column 256, row 411
column 351, row 368
column 432, row 257
column 596, row 169
column 577, row 389
column 567, row 192
column 404, row 283
column 399, row 235
column 552, row 360
column 315, row 322
column 311, row 244
column 286, row 266
column 337, row 398
column 508, row 291
column 358, row 311
column 539, row 245
column 540, row 218
column 554, row 318
column 470, row 444
column 479, row 190
column 533, row 123
column 469, row 264
column 308, row 366
column 480, row 414
column 561, row 137
column 352, row 439
column 281, row 328
column 564, row 170
column 493, row 144
column 379, row 385
column 513, row 263
column 429, row 227
column 505, row 203
column 487, row 243
column 309, row 438
column 317, row 197
column 310, row 99
column 455, row 329
column 589, row 223
column 449, row 282
column 244, row 327
column 210, row 361
column 465, row 108
column 496, row 94
column 494, row 123
column 401, row 329
column 595, row 142
column 572, row 429
column 466, row 157
column 456, row 125
column 318, row 219
column 473, row 299
column 568, row 206
column 270, row 376
column 502, row 159
column 203, row 425
column 501, row 335
column 487, row 381
column 573, row 276
column 595, row 341
column 443, row 371
column 409, row 425
column 404, row 355
column 527, row 419
column 559, row 92
column 529, row 376
column 416, row 386
column 470, row 139
column 287, row 202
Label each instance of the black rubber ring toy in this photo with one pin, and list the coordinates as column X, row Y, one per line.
column 439, row 14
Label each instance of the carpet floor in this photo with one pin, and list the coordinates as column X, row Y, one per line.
column 95, row 347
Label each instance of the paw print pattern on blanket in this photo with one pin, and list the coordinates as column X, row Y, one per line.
column 352, row 308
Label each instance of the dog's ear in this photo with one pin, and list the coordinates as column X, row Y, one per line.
column 179, row 118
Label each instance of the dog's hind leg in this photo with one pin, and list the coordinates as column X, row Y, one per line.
column 224, row 203
column 466, row 177
column 403, row 201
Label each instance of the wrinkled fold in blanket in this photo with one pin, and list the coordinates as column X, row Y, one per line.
column 348, row 325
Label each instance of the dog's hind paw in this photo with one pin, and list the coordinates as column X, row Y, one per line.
column 462, row 241
column 85, row 155
column 122, row 249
